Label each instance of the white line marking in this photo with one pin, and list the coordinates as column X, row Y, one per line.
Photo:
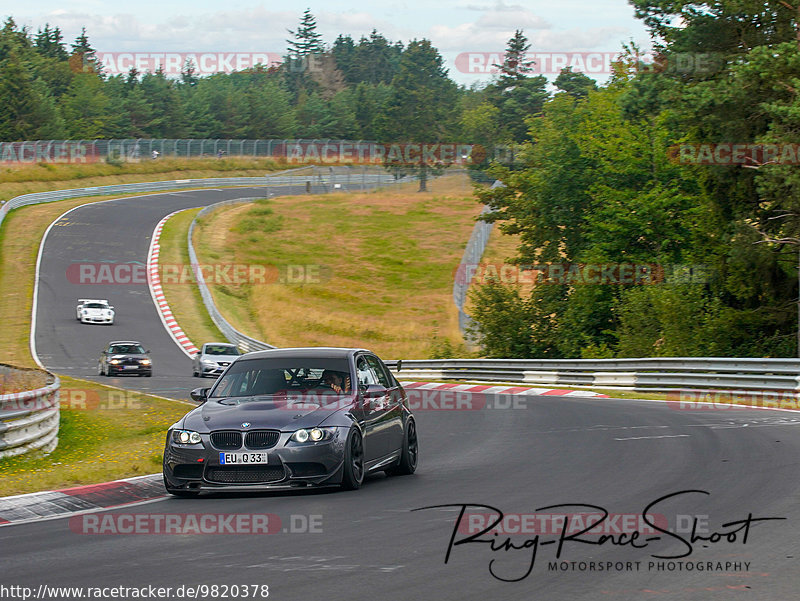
column 651, row 437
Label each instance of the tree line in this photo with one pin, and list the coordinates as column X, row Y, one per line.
column 686, row 164
column 366, row 89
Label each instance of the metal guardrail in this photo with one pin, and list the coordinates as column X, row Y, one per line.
column 465, row 272
column 242, row 341
column 325, row 179
column 29, row 420
column 657, row 374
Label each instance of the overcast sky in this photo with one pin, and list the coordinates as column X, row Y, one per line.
column 457, row 28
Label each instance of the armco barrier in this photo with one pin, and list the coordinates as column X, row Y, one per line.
column 234, row 336
column 325, row 178
column 472, row 256
column 29, row 420
column 657, row 374
column 336, row 176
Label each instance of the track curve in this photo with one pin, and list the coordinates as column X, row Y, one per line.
column 620, row 455
column 617, row 454
column 113, row 232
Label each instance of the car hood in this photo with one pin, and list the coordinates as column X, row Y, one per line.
column 218, row 358
column 271, row 414
column 128, row 356
column 97, row 311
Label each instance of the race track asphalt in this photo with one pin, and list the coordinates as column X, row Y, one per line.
column 114, row 232
column 619, row 455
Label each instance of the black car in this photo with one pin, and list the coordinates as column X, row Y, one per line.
column 300, row 417
column 125, row 357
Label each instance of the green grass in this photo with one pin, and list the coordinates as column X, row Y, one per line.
column 385, row 262
column 105, row 434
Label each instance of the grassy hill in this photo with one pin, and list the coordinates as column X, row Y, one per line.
column 376, row 267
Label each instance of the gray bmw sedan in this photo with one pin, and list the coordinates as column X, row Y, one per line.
column 296, row 417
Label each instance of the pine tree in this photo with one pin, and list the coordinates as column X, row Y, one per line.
column 421, row 108
column 23, row 111
column 306, row 38
column 577, row 85
column 13, row 39
column 188, row 72
column 515, row 68
column 84, row 58
column 49, row 43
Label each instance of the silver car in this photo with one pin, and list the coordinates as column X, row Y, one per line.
column 213, row 359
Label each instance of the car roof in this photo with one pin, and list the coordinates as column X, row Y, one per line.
column 123, row 342
column 315, row 352
column 219, row 343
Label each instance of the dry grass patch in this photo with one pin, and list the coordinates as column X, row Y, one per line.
column 42, row 177
column 385, row 259
column 16, row 380
column 183, row 296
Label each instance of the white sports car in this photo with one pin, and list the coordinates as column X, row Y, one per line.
column 93, row 310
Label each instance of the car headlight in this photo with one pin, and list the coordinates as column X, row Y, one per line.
column 115, row 361
column 207, row 363
column 186, row 437
column 85, row 312
column 145, row 361
column 312, row 435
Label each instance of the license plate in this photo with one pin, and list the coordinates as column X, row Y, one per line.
column 242, row 458
column 130, row 367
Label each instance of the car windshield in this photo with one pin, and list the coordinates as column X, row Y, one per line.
column 221, row 349
column 281, row 376
column 95, row 306
column 127, row 349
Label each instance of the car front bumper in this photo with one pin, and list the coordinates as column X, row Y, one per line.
column 123, row 369
column 211, row 371
column 106, row 320
column 194, row 468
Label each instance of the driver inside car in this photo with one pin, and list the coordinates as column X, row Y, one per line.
column 334, row 380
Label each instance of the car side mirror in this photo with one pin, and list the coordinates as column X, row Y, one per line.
column 199, row 394
column 399, row 364
column 147, row 352
column 373, row 390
